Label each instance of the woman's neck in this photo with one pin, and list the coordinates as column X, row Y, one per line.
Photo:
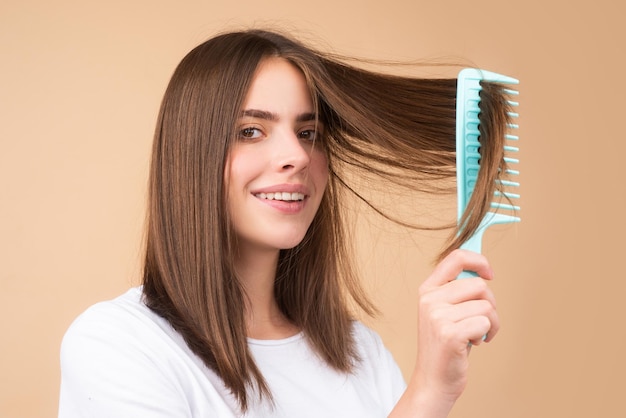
column 257, row 273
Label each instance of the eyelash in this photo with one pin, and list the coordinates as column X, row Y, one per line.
column 312, row 133
column 245, row 134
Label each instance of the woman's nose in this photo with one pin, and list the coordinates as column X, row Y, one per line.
column 292, row 152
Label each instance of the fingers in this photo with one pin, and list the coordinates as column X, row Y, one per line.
column 474, row 329
column 463, row 308
column 469, row 320
column 472, row 308
column 457, row 261
column 458, row 291
column 479, row 326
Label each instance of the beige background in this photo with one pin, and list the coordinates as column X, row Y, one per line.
column 80, row 84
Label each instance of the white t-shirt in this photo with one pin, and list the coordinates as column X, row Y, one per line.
column 119, row 359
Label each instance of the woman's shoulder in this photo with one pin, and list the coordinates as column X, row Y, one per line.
column 366, row 336
column 370, row 345
column 130, row 299
column 112, row 325
column 377, row 364
column 120, row 313
column 118, row 358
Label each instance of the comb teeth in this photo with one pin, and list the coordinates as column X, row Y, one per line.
column 468, row 155
column 504, row 199
column 468, row 145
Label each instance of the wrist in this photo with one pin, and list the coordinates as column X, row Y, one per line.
column 423, row 403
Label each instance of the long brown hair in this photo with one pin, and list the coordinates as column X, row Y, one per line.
column 379, row 122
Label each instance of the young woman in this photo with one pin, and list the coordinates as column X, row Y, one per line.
column 245, row 306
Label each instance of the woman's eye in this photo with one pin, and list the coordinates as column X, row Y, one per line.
column 308, row 135
column 250, row 133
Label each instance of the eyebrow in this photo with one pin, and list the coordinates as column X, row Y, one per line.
column 264, row 114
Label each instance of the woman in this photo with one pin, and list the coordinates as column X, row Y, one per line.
column 245, row 304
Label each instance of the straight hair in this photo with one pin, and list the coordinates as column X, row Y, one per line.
column 382, row 123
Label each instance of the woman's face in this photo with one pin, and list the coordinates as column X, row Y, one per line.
column 275, row 176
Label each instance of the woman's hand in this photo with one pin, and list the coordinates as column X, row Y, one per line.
column 454, row 315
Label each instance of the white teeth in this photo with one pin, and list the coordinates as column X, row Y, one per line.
column 286, row 196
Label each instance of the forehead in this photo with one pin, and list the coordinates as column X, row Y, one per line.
column 278, row 87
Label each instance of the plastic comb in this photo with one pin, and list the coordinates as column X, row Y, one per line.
column 502, row 210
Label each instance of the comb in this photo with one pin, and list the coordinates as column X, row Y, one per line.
column 503, row 210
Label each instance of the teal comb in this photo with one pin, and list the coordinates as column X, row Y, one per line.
column 468, row 155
